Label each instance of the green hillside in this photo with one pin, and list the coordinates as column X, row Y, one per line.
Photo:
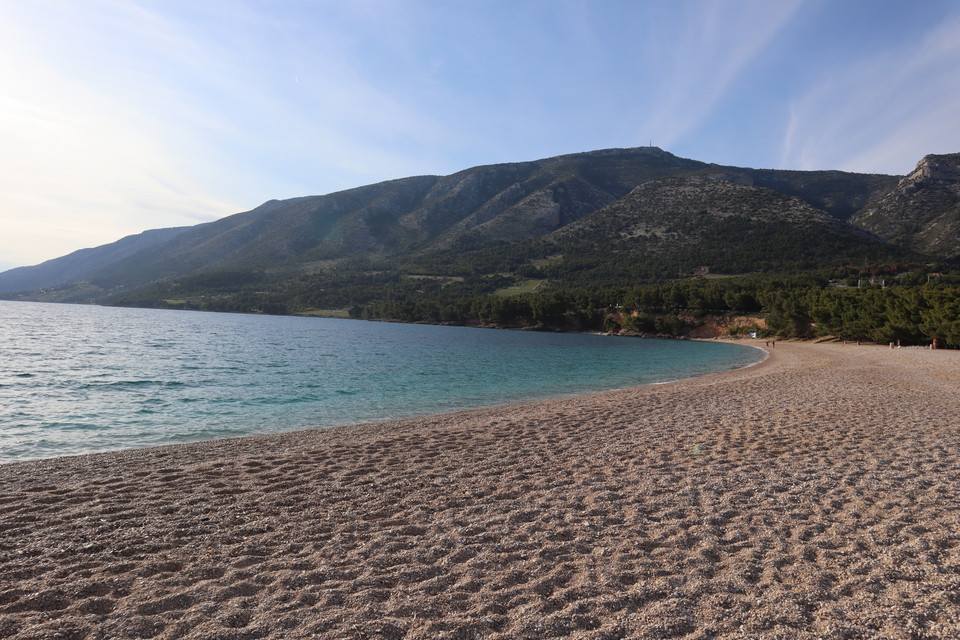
column 552, row 243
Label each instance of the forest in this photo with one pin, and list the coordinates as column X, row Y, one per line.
column 901, row 303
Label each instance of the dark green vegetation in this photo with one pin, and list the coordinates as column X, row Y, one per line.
column 625, row 239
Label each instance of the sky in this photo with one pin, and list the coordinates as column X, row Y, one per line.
column 118, row 116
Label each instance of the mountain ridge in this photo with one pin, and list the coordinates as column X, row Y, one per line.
column 513, row 210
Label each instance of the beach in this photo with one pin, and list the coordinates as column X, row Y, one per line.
column 814, row 495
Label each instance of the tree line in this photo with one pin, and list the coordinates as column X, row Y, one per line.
column 898, row 303
column 805, row 306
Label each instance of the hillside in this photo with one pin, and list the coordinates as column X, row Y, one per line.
column 712, row 225
column 923, row 211
column 600, row 218
column 80, row 264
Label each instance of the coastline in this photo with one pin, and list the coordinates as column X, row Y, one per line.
column 811, row 494
column 149, row 393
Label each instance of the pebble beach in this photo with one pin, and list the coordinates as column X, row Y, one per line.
column 814, row 495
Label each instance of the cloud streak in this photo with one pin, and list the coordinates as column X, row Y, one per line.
column 881, row 113
column 719, row 43
column 123, row 115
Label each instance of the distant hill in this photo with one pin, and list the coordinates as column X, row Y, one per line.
column 79, row 265
column 603, row 217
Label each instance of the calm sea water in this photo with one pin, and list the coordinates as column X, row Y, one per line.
column 81, row 379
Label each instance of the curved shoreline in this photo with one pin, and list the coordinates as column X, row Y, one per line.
column 811, row 495
column 211, row 378
column 189, row 410
column 379, row 427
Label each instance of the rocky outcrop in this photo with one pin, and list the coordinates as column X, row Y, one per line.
column 936, row 170
column 923, row 211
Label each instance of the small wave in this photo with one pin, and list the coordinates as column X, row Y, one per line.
column 204, row 434
column 25, row 375
column 278, row 400
column 78, row 426
column 141, row 383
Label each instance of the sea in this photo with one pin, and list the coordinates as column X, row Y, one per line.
column 77, row 379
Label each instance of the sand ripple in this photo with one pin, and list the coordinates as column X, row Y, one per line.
column 815, row 495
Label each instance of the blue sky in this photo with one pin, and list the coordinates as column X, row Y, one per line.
column 118, row 116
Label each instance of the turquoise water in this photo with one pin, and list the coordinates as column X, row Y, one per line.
column 81, row 379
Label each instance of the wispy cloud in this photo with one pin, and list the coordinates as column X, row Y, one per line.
column 715, row 44
column 123, row 115
column 82, row 164
column 117, row 118
column 883, row 113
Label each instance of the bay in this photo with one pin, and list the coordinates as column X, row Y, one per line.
column 81, row 379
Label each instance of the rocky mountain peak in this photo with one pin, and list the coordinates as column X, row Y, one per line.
column 935, row 169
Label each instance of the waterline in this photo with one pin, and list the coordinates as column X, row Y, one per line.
column 80, row 379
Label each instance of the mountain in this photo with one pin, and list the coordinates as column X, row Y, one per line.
column 923, row 211
column 606, row 217
column 80, row 264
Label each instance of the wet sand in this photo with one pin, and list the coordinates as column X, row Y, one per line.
column 814, row 495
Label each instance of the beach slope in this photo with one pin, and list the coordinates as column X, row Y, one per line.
column 814, row 495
